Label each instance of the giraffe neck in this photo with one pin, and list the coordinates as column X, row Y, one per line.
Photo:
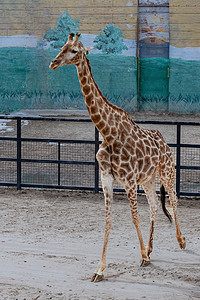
column 100, row 110
column 112, row 122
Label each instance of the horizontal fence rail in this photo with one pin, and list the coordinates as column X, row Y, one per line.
column 76, row 170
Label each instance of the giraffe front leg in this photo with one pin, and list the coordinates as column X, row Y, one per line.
column 107, row 183
column 132, row 196
column 150, row 191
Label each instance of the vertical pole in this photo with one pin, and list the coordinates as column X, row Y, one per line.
column 96, row 162
column 178, row 160
column 19, row 153
column 58, row 163
column 138, row 57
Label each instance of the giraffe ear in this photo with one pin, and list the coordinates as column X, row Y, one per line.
column 88, row 49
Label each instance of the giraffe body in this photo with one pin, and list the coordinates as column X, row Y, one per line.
column 128, row 154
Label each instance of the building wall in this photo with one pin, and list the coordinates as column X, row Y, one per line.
column 151, row 82
column 33, row 17
column 184, row 26
column 184, row 23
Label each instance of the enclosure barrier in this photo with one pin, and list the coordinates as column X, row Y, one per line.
column 16, row 172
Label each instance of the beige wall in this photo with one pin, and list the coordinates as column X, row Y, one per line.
column 35, row 17
column 185, row 23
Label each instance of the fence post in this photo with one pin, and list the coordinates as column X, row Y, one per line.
column 58, row 163
column 96, row 162
column 19, row 174
column 178, row 159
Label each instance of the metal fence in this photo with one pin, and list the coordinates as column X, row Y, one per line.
column 71, row 163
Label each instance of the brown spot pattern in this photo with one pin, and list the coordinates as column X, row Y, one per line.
column 154, row 151
column 109, row 139
column 100, row 103
column 104, row 165
column 130, row 148
column 106, row 109
column 146, row 142
column 84, row 80
column 139, row 153
column 117, row 147
column 101, row 125
column 148, row 150
column 129, row 176
column 106, row 130
column 150, row 171
column 89, row 99
column 115, row 159
column 123, row 137
column 140, row 145
column 94, row 109
column 96, row 118
column 104, row 116
column 133, row 162
column 140, row 164
column 126, row 167
column 127, row 126
column 147, row 164
column 86, row 89
column 113, row 131
column 134, row 136
column 125, row 153
column 92, row 88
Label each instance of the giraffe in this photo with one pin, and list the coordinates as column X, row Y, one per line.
column 128, row 154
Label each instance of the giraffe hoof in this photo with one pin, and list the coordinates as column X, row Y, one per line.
column 183, row 243
column 145, row 262
column 148, row 252
column 97, row 278
column 148, row 255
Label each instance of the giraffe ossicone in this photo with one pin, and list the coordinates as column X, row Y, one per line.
column 128, row 154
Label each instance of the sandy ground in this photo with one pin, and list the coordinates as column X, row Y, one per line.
column 51, row 243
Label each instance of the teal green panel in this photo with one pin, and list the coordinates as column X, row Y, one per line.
column 153, row 84
column 13, row 68
column 116, row 76
column 27, row 82
column 184, row 86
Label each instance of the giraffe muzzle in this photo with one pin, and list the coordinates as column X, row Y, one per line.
column 54, row 64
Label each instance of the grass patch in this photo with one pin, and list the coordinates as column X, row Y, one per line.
column 154, row 103
column 184, row 104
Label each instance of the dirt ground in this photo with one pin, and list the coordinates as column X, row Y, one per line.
column 51, row 243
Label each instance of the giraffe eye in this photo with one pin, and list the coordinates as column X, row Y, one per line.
column 74, row 51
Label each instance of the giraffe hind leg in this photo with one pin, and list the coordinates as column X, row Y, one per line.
column 173, row 199
column 168, row 185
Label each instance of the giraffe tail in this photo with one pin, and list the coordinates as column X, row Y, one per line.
column 162, row 198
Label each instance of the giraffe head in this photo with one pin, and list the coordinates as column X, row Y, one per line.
column 71, row 53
